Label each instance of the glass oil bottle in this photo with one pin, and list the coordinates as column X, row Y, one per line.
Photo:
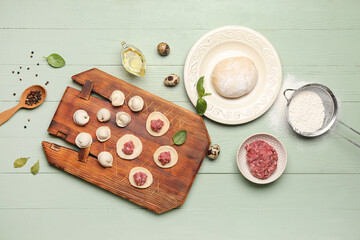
column 133, row 59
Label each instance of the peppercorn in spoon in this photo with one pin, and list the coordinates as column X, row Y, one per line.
column 31, row 98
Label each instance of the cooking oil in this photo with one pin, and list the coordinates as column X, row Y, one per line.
column 133, row 59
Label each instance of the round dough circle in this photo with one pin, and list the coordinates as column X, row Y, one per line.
column 137, row 149
column 103, row 115
column 81, row 117
column 103, row 133
column 234, row 77
column 173, row 154
column 155, row 116
column 149, row 179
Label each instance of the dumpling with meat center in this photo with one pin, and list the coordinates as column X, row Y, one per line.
column 157, row 124
column 129, row 147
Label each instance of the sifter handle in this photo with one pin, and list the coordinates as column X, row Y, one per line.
column 286, row 90
column 345, row 138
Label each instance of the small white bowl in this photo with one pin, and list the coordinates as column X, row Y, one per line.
column 276, row 144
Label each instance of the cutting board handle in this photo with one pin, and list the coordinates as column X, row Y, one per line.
column 86, row 90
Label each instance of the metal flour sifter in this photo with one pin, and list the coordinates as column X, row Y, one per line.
column 330, row 107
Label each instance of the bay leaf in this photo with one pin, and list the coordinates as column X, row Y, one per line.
column 20, row 162
column 35, row 168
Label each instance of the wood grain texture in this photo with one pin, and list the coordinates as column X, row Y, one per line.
column 170, row 186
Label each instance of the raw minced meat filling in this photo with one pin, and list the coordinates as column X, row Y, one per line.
column 261, row 159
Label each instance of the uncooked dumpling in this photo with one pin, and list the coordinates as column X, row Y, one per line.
column 103, row 115
column 81, row 117
column 122, row 119
column 117, row 98
column 234, row 77
column 83, row 140
column 105, row 159
column 136, row 103
column 103, row 133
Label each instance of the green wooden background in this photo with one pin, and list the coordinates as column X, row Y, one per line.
column 318, row 196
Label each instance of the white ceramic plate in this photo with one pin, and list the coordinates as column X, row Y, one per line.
column 234, row 41
column 276, row 144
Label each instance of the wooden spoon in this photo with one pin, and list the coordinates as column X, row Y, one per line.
column 6, row 115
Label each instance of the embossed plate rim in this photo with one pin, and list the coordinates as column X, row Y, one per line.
column 234, row 115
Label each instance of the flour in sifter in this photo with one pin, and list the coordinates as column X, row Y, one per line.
column 306, row 111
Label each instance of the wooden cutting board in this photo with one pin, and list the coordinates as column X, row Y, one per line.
column 170, row 186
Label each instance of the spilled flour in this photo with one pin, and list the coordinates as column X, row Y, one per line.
column 276, row 116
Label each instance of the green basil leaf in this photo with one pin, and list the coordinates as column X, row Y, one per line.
column 35, row 168
column 180, row 137
column 55, row 60
column 207, row 94
column 200, row 87
column 201, row 106
column 20, row 162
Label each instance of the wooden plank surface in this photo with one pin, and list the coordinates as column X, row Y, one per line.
column 316, row 198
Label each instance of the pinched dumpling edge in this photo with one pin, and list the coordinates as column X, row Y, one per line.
column 114, row 97
column 137, row 109
column 117, row 119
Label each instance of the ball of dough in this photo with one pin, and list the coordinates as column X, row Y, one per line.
column 136, row 103
column 234, row 77
column 103, row 115
column 105, row 159
column 117, row 98
column 81, row 117
column 103, row 133
column 83, row 140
